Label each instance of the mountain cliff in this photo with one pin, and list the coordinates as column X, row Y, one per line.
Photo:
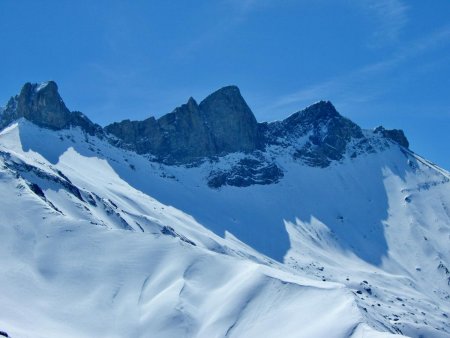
column 222, row 123
column 42, row 105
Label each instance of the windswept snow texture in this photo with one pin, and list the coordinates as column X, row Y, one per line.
column 356, row 249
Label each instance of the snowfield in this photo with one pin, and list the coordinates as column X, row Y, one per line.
column 98, row 241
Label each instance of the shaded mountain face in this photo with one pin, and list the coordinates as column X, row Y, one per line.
column 396, row 135
column 221, row 124
column 181, row 134
column 230, row 121
column 325, row 132
column 42, row 105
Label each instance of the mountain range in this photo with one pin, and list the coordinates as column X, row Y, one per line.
column 207, row 223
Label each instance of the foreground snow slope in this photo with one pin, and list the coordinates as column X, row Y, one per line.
column 378, row 224
column 84, row 254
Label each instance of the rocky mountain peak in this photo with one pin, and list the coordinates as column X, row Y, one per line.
column 230, row 120
column 41, row 104
column 316, row 114
column 47, row 86
column 230, row 93
column 325, row 133
column 320, row 110
column 227, row 101
column 222, row 123
column 192, row 104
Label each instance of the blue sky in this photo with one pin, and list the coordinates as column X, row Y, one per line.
column 379, row 61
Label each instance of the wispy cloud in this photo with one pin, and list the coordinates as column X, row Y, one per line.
column 246, row 6
column 361, row 85
column 391, row 17
column 237, row 11
column 195, row 43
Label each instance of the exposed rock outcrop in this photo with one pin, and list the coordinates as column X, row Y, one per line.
column 221, row 124
column 230, row 121
column 325, row 132
column 396, row 135
column 42, row 105
column 246, row 172
column 180, row 136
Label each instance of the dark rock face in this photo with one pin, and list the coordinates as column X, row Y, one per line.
column 246, row 172
column 328, row 134
column 396, row 135
column 9, row 113
column 57, row 179
column 42, row 105
column 37, row 190
column 221, row 124
column 230, row 121
column 180, row 136
column 169, row 231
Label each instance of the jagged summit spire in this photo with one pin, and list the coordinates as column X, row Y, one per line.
column 323, row 107
column 227, row 98
column 191, row 102
column 229, row 90
column 42, row 104
column 46, row 85
column 231, row 120
column 315, row 113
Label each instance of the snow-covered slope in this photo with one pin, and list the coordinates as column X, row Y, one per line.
column 84, row 254
column 101, row 241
